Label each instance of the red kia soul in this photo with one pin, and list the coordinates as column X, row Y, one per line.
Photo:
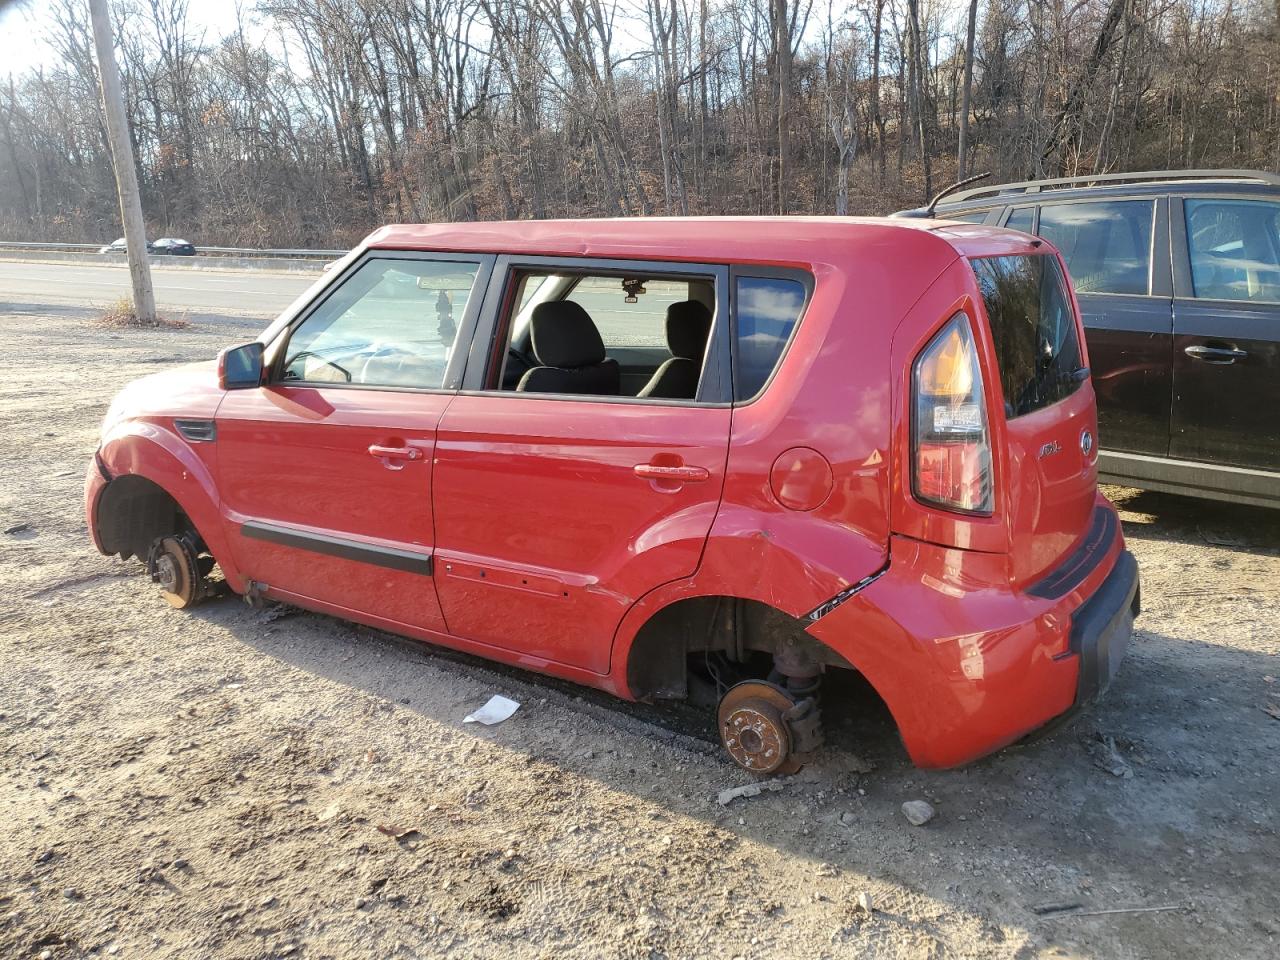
column 665, row 457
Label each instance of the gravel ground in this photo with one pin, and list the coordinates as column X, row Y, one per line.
column 238, row 783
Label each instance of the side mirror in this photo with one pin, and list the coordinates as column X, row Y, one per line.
column 240, row 368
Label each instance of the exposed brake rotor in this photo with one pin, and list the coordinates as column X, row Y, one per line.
column 174, row 564
column 754, row 728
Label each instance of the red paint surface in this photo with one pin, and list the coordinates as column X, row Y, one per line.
column 551, row 551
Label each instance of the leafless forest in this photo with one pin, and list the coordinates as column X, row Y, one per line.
column 314, row 120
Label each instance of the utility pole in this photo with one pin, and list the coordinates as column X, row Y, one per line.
column 962, row 152
column 135, row 231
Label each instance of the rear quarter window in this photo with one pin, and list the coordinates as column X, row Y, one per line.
column 1033, row 327
column 766, row 311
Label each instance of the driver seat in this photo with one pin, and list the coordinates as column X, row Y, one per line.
column 571, row 355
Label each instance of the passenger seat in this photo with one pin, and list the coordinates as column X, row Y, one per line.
column 568, row 346
column 688, row 327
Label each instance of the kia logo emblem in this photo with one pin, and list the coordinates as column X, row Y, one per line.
column 1086, row 442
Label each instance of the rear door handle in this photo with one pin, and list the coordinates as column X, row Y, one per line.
column 395, row 453
column 1215, row 354
column 654, row 471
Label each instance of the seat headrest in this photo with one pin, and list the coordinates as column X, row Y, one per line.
column 564, row 335
column 688, row 326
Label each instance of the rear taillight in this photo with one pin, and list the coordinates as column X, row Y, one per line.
column 950, row 443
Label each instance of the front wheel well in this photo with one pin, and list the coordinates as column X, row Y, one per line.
column 738, row 629
column 133, row 512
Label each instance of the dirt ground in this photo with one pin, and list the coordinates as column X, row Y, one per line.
column 212, row 783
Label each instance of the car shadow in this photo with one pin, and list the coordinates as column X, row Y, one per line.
column 1166, row 516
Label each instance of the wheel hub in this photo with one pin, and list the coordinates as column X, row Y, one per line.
column 167, row 574
column 174, row 566
column 753, row 727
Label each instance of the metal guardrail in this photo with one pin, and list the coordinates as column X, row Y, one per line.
column 216, row 251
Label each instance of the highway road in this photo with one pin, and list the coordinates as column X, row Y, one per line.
column 178, row 290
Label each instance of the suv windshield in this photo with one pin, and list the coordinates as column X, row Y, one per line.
column 1034, row 330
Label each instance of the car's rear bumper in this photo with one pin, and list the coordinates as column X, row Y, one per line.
column 966, row 663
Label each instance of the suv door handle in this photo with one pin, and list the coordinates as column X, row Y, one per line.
column 394, row 453
column 1220, row 355
column 655, row 471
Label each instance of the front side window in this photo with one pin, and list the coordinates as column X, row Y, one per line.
column 1235, row 249
column 1106, row 243
column 1034, row 330
column 391, row 324
column 767, row 310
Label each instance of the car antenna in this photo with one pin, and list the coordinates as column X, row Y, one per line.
column 929, row 210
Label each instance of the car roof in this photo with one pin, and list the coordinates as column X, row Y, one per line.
column 798, row 241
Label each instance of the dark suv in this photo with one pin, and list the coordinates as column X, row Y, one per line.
column 1178, row 278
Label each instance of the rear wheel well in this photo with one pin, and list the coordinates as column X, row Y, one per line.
column 133, row 512
column 744, row 632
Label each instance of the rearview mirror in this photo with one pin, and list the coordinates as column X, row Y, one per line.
column 240, row 367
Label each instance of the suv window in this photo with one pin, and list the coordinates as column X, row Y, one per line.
column 1034, row 330
column 1106, row 243
column 629, row 318
column 766, row 310
column 1235, row 249
column 391, row 324
column 1022, row 218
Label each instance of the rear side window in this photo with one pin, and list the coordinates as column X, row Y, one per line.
column 1022, row 218
column 973, row 216
column 766, row 310
column 1034, row 329
column 1106, row 243
column 1235, row 249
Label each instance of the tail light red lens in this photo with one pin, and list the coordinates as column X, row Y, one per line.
column 951, row 448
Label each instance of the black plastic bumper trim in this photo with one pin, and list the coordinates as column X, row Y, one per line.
column 1072, row 571
column 1101, row 627
column 331, row 546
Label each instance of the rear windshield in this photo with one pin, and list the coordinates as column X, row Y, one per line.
column 1035, row 332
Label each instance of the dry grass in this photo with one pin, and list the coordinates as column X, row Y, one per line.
column 120, row 316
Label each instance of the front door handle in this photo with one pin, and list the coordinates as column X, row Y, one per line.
column 1218, row 355
column 394, row 453
column 680, row 474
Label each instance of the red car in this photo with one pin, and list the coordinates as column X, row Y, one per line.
column 664, row 456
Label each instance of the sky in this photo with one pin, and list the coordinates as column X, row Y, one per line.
column 23, row 25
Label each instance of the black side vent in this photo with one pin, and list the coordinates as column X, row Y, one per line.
column 199, row 431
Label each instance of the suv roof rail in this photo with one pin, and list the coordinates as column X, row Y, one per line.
column 1142, row 176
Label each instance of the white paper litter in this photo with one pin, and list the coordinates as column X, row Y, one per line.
column 726, row 797
column 495, row 711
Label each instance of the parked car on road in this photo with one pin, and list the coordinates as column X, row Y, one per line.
column 1178, row 278
column 665, row 458
column 172, row 246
